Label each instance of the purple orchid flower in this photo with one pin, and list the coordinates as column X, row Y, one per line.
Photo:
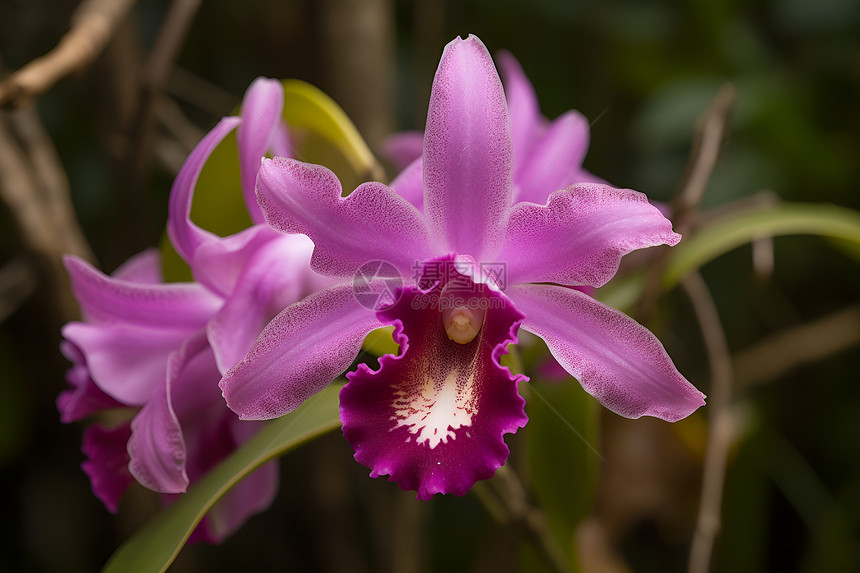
column 547, row 155
column 157, row 350
column 433, row 418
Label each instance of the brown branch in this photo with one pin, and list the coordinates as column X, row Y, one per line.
column 34, row 186
column 92, row 26
column 703, row 158
column 804, row 344
column 720, row 426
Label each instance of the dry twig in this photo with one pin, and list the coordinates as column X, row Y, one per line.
column 720, row 430
column 93, row 24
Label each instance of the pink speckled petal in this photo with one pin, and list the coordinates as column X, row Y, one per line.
column 184, row 235
column 372, row 223
column 554, row 159
column 617, row 360
column 298, row 354
column 261, row 116
column 527, row 124
column 409, row 184
column 404, row 147
column 105, row 299
column 107, row 462
column 273, row 279
column 434, row 417
column 468, row 154
column 157, row 448
column 579, row 237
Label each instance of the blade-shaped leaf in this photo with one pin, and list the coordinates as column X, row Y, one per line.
column 305, row 106
column 155, row 546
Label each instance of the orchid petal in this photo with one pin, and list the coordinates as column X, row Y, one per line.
column 143, row 268
column 468, row 154
column 126, row 363
column 107, row 462
column 372, row 223
column 184, row 235
column 255, row 493
column 616, row 360
column 409, row 184
column 261, row 114
column 434, row 417
column 298, row 354
column 527, row 124
column 218, row 264
column 105, row 299
column 84, row 397
column 157, row 447
column 404, row 147
column 553, row 159
column 273, row 279
column 580, row 235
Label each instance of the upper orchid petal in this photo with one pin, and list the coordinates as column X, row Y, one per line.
column 468, row 154
column 218, row 264
column 372, row 223
column 580, row 235
column 617, row 360
column 157, row 448
column 185, row 236
column 527, row 124
column 273, row 279
column 105, row 299
column 298, row 354
column 107, row 462
column 404, row 147
column 555, row 157
column 434, row 417
column 261, row 114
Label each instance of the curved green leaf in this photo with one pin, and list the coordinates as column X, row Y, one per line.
column 307, row 107
column 155, row 546
column 715, row 239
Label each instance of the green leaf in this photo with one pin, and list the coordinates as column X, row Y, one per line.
column 155, row 546
column 562, row 456
column 307, row 107
column 717, row 238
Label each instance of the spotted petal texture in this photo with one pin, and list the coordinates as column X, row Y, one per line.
column 434, row 417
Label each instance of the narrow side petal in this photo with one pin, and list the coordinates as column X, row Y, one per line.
column 468, row 153
column 298, row 354
column 157, row 448
column 105, row 299
column 254, row 494
column 403, row 148
column 143, row 268
column 409, row 184
column 273, row 279
column 107, row 462
column 434, row 417
column 617, row 360
column 184, row 235
column 126, row 363
column 84, row 397
column 580, row 235
column 372, row 223
column 527, row 124
column 553, row 159
column 261, row 114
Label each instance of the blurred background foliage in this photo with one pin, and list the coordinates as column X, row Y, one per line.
column 643, row 72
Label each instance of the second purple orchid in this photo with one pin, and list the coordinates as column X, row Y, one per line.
column 433, row 418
